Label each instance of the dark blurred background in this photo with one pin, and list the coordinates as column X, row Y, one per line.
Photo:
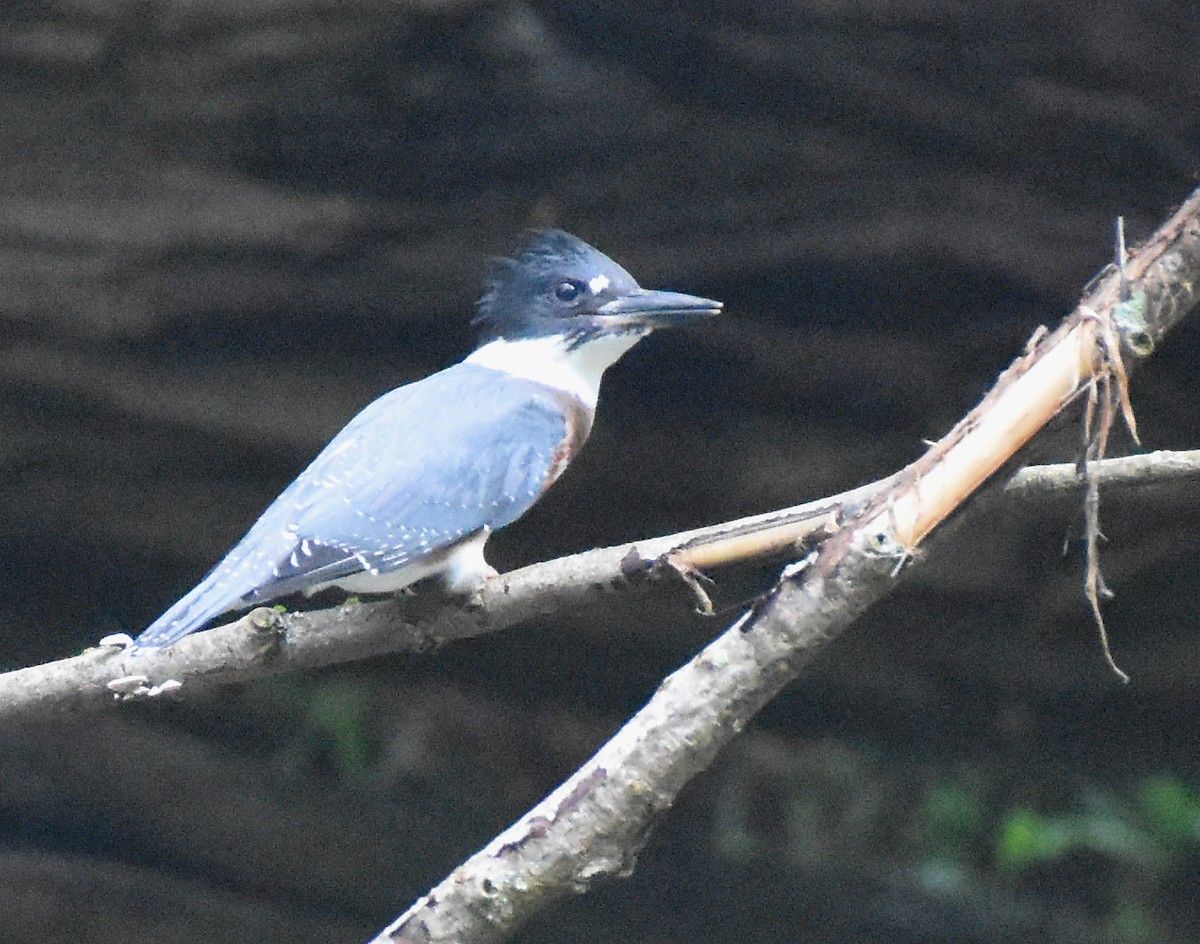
column 224, row 227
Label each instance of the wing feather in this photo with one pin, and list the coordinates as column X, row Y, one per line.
column 417, row 471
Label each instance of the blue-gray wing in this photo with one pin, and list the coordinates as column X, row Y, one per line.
column 416, row 472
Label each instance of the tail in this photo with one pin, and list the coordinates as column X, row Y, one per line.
column 221, row 591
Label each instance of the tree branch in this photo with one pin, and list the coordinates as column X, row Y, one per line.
column 265, row 642
column 1139, row 471
column 595, row 823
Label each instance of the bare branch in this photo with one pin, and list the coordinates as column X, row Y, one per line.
column 268, row 643
column 1140, row 471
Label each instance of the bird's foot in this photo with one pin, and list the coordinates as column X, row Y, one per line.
column 474, row 594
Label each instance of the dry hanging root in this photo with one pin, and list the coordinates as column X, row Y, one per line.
column 1108, row 385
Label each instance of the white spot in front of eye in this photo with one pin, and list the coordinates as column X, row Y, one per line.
column 598, row 284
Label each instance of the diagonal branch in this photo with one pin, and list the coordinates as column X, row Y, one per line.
column 594, row 824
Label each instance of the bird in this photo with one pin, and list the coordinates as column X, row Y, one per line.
column 416, row 482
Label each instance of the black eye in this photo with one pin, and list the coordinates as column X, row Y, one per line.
column 568, row 291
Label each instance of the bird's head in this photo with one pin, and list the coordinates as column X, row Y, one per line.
column 558, row 286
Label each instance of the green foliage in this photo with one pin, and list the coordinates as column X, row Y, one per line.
column 950, row 820
column 1025, row 838
column 1162, row 820
column 340, row 709
column 1132, row 922
column 1171, row 810
column 1149, row 833
column 327, row 718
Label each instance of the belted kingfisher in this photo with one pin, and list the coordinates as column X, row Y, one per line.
column 416, row 482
